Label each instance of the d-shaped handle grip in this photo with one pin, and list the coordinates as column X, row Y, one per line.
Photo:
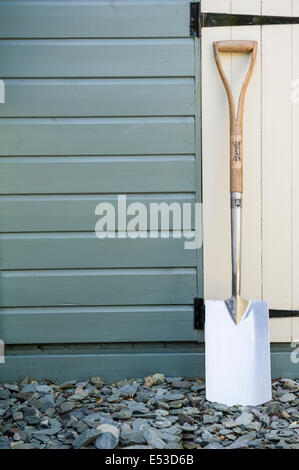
column 235, row 46
column 236, row 120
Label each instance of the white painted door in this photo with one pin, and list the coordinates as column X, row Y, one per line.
column 270, row 253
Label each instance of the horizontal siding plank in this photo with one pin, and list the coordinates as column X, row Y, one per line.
column 75, row 175
column 97, row 58
column 110, row 367
column 35, row 19
column 98, row 97
column 84, row 250
column 92, row 136
column 98, row 287
column 93, row 325
column 67, row 213
column 116, row 366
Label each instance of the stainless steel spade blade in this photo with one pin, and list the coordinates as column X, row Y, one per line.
column 237, row 356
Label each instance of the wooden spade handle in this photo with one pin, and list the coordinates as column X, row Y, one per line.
column 236, row 120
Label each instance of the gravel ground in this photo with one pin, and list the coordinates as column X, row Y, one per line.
column 156, row 412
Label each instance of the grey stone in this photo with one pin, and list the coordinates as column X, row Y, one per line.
column 98, row 381
column 4, row 394
column 85, row 438
column 160, row 412
column 156, row 379
column 214, row 445
column 196, row 401
column 131, row 436
column 92, row 418
column 139, row 424
column 17, row 416
column 152, row 438
column 4, row 442
column 2, row 411
column 30, row 388
column 81, row 427
column 294, row 425
column 169, row 396
column 188, row 427
column 161, row 424
column 43, row 388
column 20, row 435
column 163, row 405
column 175, row 404
column 207, row 436
column 245, row 418
column 31, row 415
column 128, row 390
column 125, row 414
column 50, row 412
column 287, row 397
column 286, row 433
column 50, row 426
column 183, row 418
column 273, row 408
column 282, row 445
column 138, row 407
column 25, row 446
column 209, row 419
column 47, row 401
column 272, row 436
column 265, row 419
column 238, row 444
column 15, row 445
column 231, row 437
column 190, row 410
column 180, row 384
column 34, row 401
column 279, row 424
column 108, row 438
column 66, row 406
column 80, row 394
column 41, row 436
column 114, row 397
column 255, row 425
column 220, row 406
column 290, row 384
column 11, row 387
column 68, row 384
column 228, row 423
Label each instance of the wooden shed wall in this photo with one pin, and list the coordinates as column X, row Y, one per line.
column 102, row 98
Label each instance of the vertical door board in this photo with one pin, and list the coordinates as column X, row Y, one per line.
column 276, row 162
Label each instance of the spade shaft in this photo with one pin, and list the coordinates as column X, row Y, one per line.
column 236, row 305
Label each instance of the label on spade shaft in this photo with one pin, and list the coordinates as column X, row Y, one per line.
column 236, row 143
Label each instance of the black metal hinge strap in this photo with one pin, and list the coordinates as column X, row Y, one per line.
column 283, row 313
column 229, row 19
column 200, row 20
column 199, row 314
column 194, row 19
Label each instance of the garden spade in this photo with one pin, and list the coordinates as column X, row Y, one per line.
column 237, row 330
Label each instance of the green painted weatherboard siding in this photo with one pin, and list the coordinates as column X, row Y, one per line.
column 102, row 98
